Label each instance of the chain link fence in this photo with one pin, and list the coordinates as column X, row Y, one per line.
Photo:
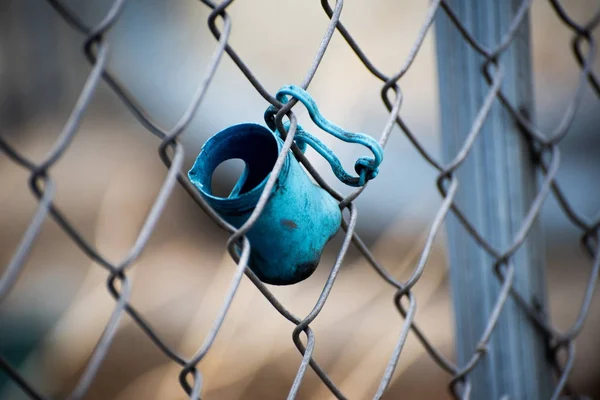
column 543, row 148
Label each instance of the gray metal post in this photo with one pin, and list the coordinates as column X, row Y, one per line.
column 497, row 186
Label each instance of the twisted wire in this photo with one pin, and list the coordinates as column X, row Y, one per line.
column 544, row 150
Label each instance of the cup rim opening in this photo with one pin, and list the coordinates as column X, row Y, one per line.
column 219, row 142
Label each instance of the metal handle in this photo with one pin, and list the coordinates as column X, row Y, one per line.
column 366, row 167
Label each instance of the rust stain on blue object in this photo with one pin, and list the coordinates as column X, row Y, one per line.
column 299, row 219
column 288, row 223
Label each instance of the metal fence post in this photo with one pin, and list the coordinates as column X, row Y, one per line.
column 497, row 185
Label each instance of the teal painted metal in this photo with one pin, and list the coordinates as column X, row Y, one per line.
column 300, row 217
column 366, row 168
column 298, row 220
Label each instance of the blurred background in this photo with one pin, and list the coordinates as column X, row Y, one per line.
column 108, row 180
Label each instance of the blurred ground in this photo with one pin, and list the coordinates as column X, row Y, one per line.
column 108, row 179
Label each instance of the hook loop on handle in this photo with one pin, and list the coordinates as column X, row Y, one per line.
column 366, row 167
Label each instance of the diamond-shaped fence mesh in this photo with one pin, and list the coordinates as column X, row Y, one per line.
column 541, row 145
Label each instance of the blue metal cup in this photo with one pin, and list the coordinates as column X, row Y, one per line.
column 300, row 217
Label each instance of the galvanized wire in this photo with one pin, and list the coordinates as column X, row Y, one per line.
column 544, row 150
